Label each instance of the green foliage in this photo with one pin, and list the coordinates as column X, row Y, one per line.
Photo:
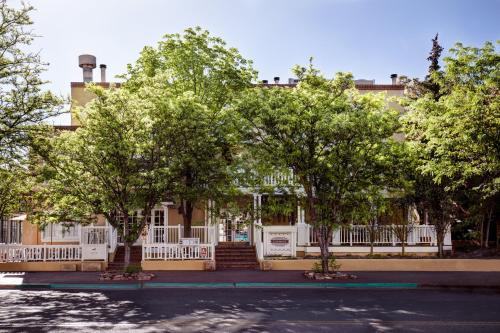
column 333, row 266
column 189, row 80
column 23, row 104
column 131, row 269
column 458, row 135
column 338, row 143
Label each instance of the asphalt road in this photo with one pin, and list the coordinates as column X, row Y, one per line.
column 249, row 310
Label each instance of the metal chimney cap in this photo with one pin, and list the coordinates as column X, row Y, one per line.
column 265, row 81
column 102, row 66
column 276, row 78
column 87, row 60
column 394, row 76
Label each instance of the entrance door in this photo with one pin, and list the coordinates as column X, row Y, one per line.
column 233, row 230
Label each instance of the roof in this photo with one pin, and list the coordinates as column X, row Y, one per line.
column 358, row 86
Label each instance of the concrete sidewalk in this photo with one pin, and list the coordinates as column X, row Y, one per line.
column 260, row 279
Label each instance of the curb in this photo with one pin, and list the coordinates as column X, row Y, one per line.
column 238, row 285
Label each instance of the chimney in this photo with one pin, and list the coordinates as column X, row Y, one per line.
column 103, row 72
column 265, row 82
column 277, row 80
column 394, row 78
column 87, row 63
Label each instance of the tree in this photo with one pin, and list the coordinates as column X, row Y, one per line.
column 109, row 166
column 23, row 104
column 415, row 88
column 337, row 142
column 457, row 135
column 190, row 80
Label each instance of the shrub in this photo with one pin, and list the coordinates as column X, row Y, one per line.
column 133, row 269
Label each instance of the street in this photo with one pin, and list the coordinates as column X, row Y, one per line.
column 250, row 310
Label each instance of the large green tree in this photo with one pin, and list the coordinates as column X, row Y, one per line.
column 338, row 143
column 23, row 103
column 458, row 133
column 110, row 166
column 191, row 79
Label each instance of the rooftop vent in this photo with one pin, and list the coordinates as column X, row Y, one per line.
column 103, row 72
column 87, row 62
column 394, row 78
column 276, row 79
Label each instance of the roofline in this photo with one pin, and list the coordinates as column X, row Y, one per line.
column 290, row 85
column 101, row 84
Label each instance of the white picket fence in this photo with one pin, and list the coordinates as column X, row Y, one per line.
column 26, row 253
column 178, row 252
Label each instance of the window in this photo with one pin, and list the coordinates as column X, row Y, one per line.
column 61, row 232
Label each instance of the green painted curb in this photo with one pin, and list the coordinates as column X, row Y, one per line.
column 188, row 284
column 95, row 286
column 325, row 285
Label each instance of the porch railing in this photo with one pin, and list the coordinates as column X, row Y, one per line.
column 382, row 235
column 26, row 253
column 173, row 234
column 178, row 252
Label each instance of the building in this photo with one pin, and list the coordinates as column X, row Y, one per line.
column 229, row 241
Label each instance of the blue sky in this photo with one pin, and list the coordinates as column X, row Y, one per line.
column 369, row 38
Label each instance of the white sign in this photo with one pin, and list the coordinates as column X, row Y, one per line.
column 279, row 244
column 190, row 241
column 94, row 252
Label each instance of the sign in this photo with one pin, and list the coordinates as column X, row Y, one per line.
column 279, row 243
column 190, row 241
column 203, row 252
column 94, row 252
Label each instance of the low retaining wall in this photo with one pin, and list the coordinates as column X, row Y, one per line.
column 443, row 265
column 52, row 266
column 174, row 265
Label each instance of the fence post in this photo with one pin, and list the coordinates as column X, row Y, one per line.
column 350, row 236
column 179, row 233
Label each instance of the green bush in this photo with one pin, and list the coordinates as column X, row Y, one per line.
column 133, row 269
column 333, row 266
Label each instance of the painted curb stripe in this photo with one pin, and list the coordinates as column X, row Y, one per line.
column 189, row 284
column 94, row 286
column 326, row 285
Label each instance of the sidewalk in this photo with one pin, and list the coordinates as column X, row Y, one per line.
column 277, row 279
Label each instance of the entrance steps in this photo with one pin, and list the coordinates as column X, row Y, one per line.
column 118, row 263
column 237, row 255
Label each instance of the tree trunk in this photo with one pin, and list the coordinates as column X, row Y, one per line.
column 187, row 217
column 488, row 227
column 323, row 245
column 440, row 241
column 481, row 232
column 126, row 261
column 126, row 241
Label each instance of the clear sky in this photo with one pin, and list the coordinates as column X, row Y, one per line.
column 369, row 38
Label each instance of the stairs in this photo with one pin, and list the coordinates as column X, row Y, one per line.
column 118, row 262
column 234, row 256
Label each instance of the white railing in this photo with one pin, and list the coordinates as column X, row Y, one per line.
column 353, row 235
column 279, row 178
column 25, row 253
column 178, row 252
column 173, row 234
